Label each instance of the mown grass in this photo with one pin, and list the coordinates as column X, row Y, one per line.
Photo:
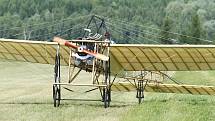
column 26, row 95
column 173, row 108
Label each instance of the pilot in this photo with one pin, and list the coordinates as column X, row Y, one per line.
column 81, row 57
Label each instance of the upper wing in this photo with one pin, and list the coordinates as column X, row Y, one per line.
column 129, row 57
column 123, row 57
column 32, row 51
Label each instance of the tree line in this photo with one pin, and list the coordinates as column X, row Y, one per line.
column 131, row 21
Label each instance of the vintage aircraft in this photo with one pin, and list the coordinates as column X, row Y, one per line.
column 106, row 62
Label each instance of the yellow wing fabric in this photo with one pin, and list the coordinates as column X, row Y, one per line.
column 131, row 57
column 32, row 51
column 167, row 88
column 123, row 57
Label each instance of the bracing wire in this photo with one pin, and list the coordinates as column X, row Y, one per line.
column 63, row 32
column 142, row 31
column 118, row 31
column 51, row 33
column 157, row 29
column 56, row 22
column 134, row 33
column 37, row 30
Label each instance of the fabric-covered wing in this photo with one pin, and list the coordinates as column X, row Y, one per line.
column 130, row 57
column 167, row 88
column 32, row 51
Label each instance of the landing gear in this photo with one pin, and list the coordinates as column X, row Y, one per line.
column 140, row 91
column 56, row 86
column 89, row 60
column 106, row 97
column 56, row 95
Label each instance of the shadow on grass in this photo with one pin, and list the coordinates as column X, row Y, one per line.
column 198, row 100
column 69, row 104
column 94, row 105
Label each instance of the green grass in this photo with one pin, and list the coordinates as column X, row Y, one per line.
column 173, row 107
column 26, row 95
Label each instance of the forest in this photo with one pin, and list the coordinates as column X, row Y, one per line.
column 128, row 21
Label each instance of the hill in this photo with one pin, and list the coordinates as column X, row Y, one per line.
column 43, row 19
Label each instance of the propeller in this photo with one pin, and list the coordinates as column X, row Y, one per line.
column 72, row 45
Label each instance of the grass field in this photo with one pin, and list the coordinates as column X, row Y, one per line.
column 26, row 95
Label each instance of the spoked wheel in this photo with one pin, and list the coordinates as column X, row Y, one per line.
column 109, row 96
column 106, row 90
column 140, row 91
column 57, row 87
column 56, row 95
column 140, row 100
column 106, row 97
